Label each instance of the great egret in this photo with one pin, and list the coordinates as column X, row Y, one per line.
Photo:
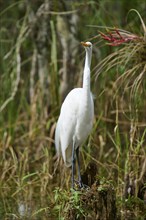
column 76, row 119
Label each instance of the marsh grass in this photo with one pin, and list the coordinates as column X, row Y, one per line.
column 33, row 183
column 129, row 63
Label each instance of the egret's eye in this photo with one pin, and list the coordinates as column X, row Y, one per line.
column 88, row 44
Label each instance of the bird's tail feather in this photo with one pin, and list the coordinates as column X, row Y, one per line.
column 57, row 140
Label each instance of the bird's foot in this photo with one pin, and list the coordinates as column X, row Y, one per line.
column 80, row 185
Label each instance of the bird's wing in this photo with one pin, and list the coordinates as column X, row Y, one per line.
column 66, row 124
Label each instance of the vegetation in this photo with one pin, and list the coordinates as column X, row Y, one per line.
column 41, row 59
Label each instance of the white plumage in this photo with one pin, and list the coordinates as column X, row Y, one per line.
column 76, row 117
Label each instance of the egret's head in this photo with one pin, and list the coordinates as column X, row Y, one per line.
column 87, row 44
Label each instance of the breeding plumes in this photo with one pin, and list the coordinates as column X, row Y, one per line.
column 76, row 119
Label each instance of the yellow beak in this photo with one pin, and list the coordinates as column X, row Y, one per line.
column 84, row 44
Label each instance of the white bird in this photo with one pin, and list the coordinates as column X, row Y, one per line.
column 76, row 119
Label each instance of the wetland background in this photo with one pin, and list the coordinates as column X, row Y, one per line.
column 41, row 60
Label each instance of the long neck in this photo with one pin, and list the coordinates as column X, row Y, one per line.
column 86, row 76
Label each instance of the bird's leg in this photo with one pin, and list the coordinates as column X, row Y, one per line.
column 73, row 163
column 79, row 173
